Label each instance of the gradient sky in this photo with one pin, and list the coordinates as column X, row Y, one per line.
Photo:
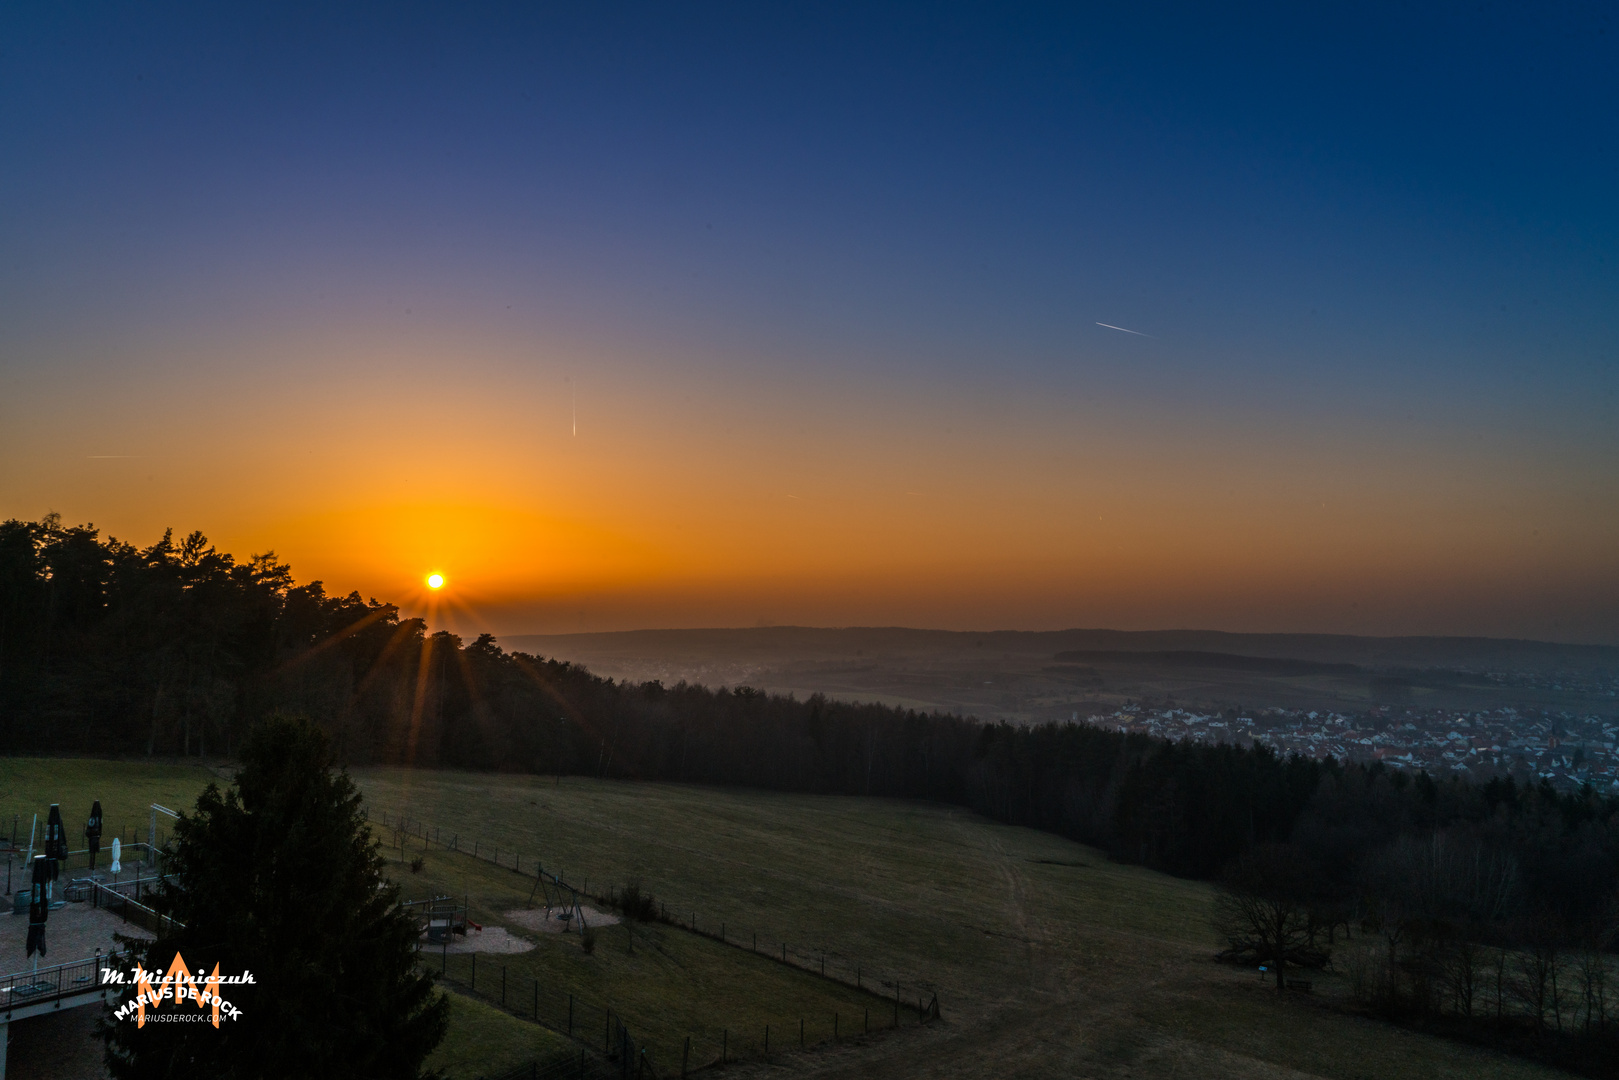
column 681, row 315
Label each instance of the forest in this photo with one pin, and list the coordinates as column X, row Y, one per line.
column 178, row 649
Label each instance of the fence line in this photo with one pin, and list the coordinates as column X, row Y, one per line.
column 844, row 970
column 603, row 1030
column 143, row 915
column 617, row 1051
column 15, row 853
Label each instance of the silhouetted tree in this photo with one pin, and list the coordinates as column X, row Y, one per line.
column 1264, row 911
column 279, row 876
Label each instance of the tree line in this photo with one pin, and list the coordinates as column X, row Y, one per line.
column 178, row 649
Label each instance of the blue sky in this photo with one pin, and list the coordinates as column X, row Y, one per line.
column 1340, row 225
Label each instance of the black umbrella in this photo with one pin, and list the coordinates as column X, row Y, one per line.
column 39, row 906
column 55, row 840
column 92, row 832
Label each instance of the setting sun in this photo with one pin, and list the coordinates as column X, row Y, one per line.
column 435, row 581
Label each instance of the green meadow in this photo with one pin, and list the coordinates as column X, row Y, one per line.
column 1047, row 958
column 484, row 1040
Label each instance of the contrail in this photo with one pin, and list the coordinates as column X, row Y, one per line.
column 1110, row 326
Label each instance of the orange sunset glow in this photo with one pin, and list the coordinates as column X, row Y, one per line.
column 710, row 501
column 1043, row 390
column 1017, row 539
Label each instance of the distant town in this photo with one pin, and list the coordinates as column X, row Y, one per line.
column 1568, row 750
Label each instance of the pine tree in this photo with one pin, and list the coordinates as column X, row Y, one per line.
column 279, row 876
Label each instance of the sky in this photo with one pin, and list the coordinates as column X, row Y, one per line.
column 1287, row 318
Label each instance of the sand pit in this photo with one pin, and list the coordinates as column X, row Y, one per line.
column 491, row 939
column 535, row 919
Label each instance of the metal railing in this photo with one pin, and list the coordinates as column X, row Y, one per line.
column 57, row 983
column 109, row 898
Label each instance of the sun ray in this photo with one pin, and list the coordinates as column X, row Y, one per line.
column 419, row 703
column 337, row 637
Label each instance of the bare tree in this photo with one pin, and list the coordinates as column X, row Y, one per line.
column 1432, row 898
column 1263, row 912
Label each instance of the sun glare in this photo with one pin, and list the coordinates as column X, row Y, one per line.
column 435, row 581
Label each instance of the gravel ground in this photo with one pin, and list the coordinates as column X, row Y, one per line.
column 492, row 939
column 550, row 923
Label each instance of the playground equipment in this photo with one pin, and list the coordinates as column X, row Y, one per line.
column 440, row 917
column 559, row 896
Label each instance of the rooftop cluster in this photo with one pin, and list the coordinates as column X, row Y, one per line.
column 1566, row 749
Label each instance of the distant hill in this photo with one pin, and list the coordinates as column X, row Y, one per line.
column 784, row 642
column 1188, row 658
column 1027, row 676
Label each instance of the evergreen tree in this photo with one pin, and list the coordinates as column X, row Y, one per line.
column 279, row 876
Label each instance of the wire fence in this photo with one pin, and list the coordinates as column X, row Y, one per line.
column 607, row 1047
column 604, row 1031
column 821, row 959
column 599, row 1026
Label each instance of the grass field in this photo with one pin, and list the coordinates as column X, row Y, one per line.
column 484, row 1040
column 674, row 985
column 1049, row 960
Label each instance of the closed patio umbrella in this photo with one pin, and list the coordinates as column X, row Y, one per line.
column 39, row 906
column 55, row 848
column 92, row 832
